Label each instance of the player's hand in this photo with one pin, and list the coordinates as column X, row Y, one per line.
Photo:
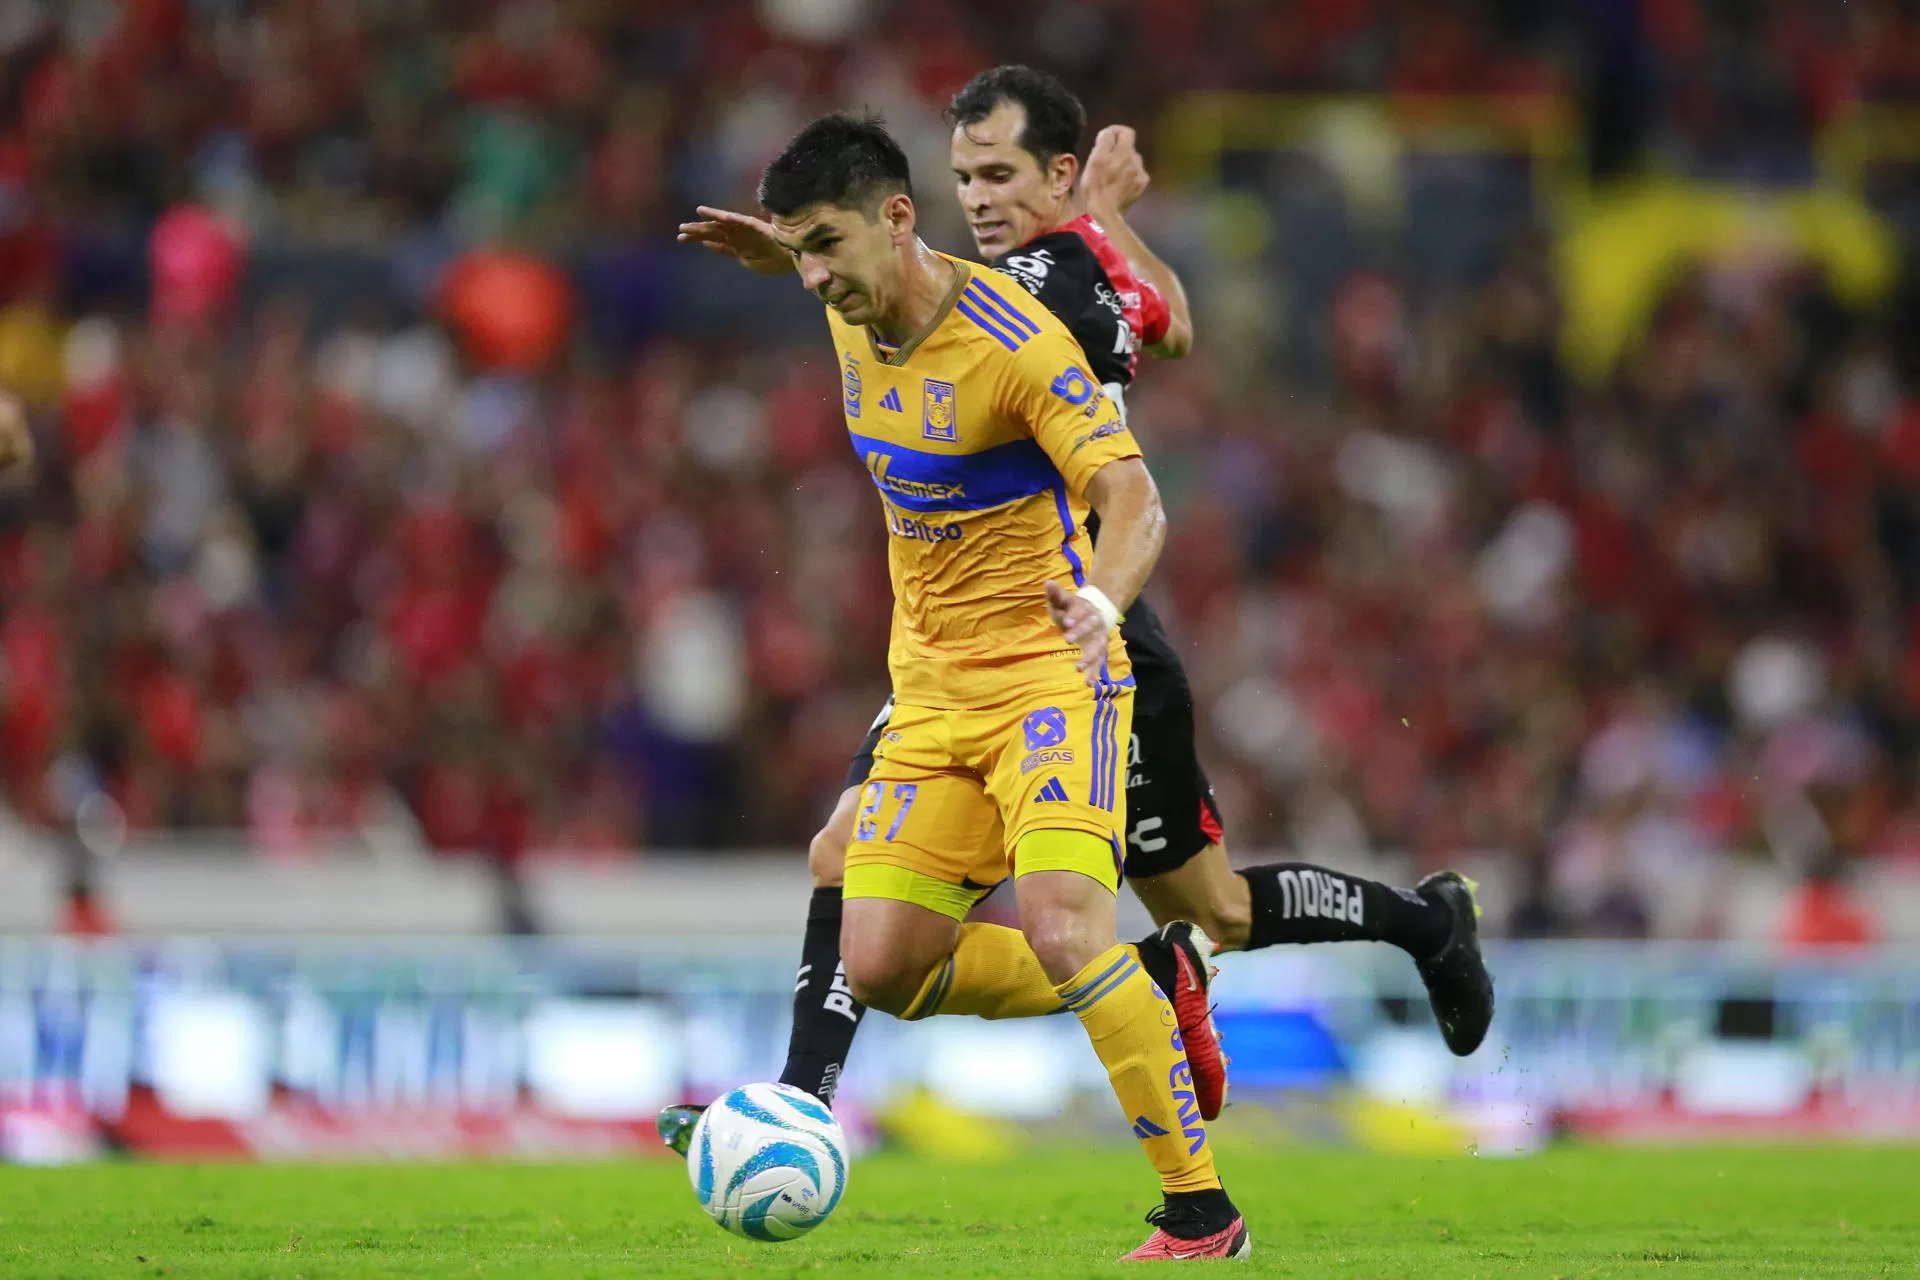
column 742, row 237
column 16, row 442
column 1081, row 623
column 1116, row 176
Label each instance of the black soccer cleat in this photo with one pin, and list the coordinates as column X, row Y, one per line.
column 676, row 1124
column 1458, row 984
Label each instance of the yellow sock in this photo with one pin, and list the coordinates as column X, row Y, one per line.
column 992, row 973
column 1133, row 1030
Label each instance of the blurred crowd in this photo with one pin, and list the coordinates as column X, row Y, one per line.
column 360, row 121
column 298, row 573
column 1618, row 631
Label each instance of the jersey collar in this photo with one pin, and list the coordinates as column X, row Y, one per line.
column 1070, row 225
column 962, row 273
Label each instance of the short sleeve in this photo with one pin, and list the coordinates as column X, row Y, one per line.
column 1079, row 428
column 1155, row 315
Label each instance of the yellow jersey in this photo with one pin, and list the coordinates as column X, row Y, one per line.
column 981, row 435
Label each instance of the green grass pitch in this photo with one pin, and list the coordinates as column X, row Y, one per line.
column 1678, row 1215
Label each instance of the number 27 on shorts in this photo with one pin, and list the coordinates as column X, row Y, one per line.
column 871, row 800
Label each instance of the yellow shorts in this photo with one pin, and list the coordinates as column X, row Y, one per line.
column 952, row 793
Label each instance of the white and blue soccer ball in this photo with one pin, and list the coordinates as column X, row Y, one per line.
column 768, row 1162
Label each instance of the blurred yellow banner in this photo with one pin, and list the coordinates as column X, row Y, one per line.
column 1627, row 244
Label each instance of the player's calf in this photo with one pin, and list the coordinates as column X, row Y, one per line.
column 1228, row 921
column 1294, row 902
column 1205, row 891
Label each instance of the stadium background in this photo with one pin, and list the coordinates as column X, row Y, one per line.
column 424, row 547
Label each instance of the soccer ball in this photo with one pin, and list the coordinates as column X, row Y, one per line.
column 768, row 1162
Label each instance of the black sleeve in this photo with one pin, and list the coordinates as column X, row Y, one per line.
column 1061, row 270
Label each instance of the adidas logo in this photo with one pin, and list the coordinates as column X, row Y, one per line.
column 1052, row 791
column 891, row 400
column 1145, row 1128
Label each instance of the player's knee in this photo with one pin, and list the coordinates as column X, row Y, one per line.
column 1061, row 943
column 881, row 978
column 870, row 986
column 888, row 988
column 827, row 857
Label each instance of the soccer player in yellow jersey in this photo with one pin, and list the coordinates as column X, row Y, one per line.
column 1059, row 231
column 989, row 442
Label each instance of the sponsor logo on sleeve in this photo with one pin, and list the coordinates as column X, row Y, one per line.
column 1076, row 388
column 1113, row 426
column 850, row 383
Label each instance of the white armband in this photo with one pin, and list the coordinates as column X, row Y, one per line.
column 1105, row 607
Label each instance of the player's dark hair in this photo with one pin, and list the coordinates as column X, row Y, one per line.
column 1055, row 119
column 848, row 161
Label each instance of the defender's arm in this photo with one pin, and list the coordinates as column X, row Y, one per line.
column 1115, row 178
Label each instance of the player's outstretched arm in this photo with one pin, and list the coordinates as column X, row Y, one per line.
column 1116, row 176
column 1132, row 530
column 16, row 441
column 742, row 237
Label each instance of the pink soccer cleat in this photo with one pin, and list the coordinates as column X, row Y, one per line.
column 1230, row 1241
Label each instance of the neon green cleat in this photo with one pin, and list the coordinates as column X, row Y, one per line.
column 676, row 1125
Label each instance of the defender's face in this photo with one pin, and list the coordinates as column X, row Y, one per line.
column 1009, row 199
column 845, row 259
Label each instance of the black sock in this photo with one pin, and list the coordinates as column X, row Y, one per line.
column 1199, row 1213
column 825, row 1014
column 1294, row 902
column 1156, row 957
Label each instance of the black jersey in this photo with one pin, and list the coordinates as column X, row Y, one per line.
column 1077, row 274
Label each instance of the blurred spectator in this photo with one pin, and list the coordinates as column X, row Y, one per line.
column 1824, row 913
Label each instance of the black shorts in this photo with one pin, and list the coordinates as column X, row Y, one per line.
column 1171, row 814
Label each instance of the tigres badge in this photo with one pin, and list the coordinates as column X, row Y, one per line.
column 937, row 418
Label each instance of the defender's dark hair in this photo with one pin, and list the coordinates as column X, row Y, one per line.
column 848, row 161
column 1055, row 119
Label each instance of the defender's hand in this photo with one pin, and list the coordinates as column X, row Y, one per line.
column 1081, row 623
column 742, row 237
column 1116, row 175
column 16, row 442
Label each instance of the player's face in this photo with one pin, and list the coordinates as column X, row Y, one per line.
column 1008, row 197
column 847, row 259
